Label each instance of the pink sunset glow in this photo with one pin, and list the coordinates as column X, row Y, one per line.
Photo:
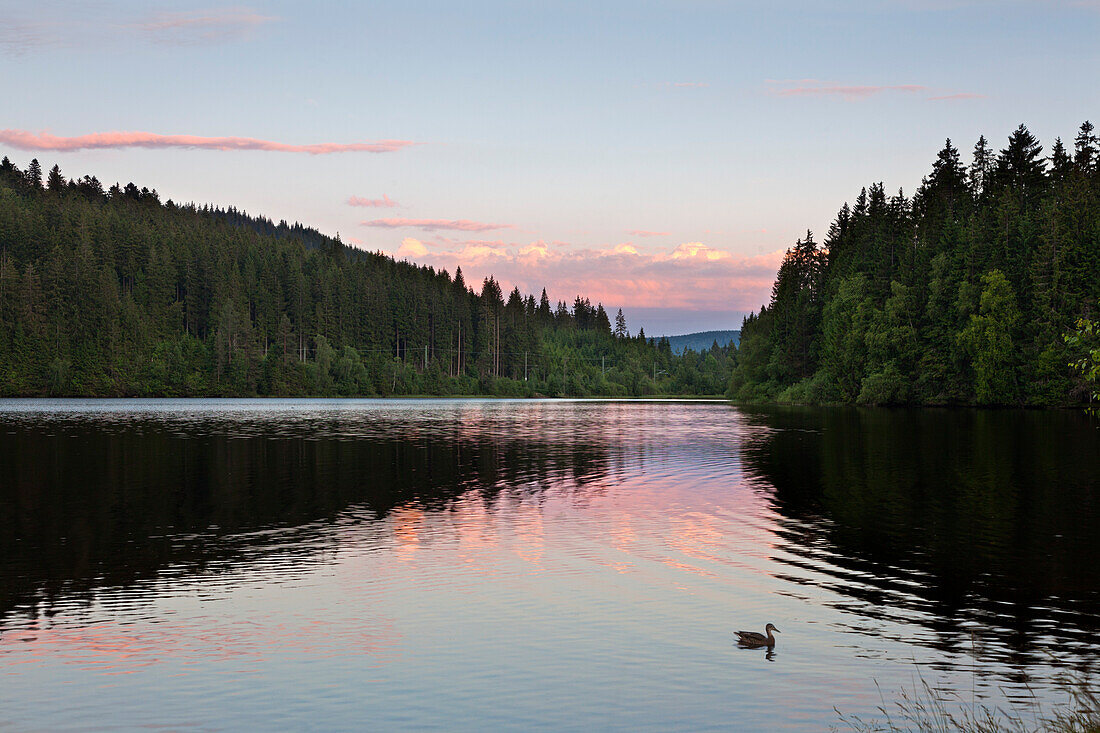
column 26, row 140
column 684, row 84
column 383, row 203
column 112, row 648
column 853, row 92
column 96, row 26
column 411, row 249
column 812, row 88
column 201, row 26
column 690, row 276
column 960, row 95
column 432, row 225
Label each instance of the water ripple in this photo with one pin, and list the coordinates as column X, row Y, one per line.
column 465, row 564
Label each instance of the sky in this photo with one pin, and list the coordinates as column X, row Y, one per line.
column 657, row 156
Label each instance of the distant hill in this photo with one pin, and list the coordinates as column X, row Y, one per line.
column 702, row 340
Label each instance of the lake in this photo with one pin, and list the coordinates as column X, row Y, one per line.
column 473, row 565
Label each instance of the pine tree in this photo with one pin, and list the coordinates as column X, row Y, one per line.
column 620, row 325
column 600, row 320
column 1085, row 148
column 544, row 308
column 948, row 182
column 34, row 173
column 981, row 167
column 1060, row 163
column 55, row 182
column 1020, row 167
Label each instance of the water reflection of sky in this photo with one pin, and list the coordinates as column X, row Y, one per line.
column 471, row 564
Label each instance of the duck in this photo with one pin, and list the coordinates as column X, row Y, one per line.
column 752, row 638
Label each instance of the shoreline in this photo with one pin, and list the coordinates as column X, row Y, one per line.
column 379, row 398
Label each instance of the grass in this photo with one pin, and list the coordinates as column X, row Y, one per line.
column 932, row 710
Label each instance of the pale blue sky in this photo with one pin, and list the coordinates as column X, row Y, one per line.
column 577, row 125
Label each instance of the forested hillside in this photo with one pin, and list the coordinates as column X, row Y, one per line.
column 702, row 340
column 112, row 292
column 960, row 294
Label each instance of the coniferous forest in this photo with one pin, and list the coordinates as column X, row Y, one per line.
column 111, row 292
column 980, row 288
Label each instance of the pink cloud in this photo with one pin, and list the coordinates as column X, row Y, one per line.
column 202, row 26
column 647, row 233
column 24, row 140
column 691, row 276
column 383, row 203
column 848, row 92
column 93, row 27
column 477, row 253
column 431, row 225
column 18, row 38
column 960, row 95
column 411, row 248
column 699, row 252
column 626, row 248
column 816, row 87
column 800, row 82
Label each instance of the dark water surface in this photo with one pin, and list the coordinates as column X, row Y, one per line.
column 473, row 565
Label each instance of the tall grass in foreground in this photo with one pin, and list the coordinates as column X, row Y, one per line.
column 935, row 711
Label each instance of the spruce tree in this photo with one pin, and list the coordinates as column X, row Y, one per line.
column 1060, row 163
column 981, row 167
column 1085, row 148
column 34, row 173
column 55, row 182
column 1020, row 168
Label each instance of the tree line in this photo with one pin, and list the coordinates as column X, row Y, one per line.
column 112, row 292
column 978, row 289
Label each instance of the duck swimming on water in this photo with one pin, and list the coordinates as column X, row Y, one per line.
column 752, row 638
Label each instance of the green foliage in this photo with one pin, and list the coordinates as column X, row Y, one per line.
column 1084, row 342
column 112, row 293
column 885, row 387
column 818, row 389
column 987, row 338
column 958, row 295
column 847, row 318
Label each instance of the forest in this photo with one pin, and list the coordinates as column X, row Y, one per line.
column 111, row 292
column 980, row 288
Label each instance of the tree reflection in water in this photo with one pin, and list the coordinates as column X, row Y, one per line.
column 979, row 524
column 93, row 503
column 975, row 528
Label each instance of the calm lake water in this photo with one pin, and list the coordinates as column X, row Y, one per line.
column 474, row 565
